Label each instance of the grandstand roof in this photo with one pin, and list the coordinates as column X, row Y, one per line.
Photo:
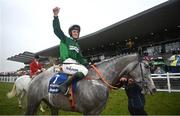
column 157, row 19
column 25, row 57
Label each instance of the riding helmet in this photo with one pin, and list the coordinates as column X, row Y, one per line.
column 74, row 27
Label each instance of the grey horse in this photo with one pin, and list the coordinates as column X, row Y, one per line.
column 91, row 94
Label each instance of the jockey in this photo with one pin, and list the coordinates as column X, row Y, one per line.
column 70, row 54
column 35, row 67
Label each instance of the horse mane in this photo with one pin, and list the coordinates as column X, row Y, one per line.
column 114, row 58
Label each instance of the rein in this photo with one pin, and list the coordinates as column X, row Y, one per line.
column 102, row 78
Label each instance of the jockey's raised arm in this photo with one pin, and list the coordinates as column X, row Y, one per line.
column 73, row 62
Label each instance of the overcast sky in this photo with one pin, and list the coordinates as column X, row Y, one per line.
column 26, row 25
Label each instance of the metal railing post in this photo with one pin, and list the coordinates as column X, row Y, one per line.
column 168, row 83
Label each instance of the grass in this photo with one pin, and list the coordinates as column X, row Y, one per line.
column 162, row 103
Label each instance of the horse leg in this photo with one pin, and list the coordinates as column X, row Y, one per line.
column 97, row 110
column 32, row 108
column 41, row 108
column 19, row 96
column 54, row 111
column 19, row 102
column 22, row 98
column 32, row 105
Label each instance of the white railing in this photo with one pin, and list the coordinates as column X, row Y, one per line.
column 167, row 76
column 9, row 79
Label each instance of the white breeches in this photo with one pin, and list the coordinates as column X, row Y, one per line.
column 72, row 67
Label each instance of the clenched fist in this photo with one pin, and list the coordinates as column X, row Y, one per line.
column 56, row 11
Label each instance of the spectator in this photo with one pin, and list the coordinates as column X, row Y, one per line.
column 130, row 45
column 35, row 67
column 136, row 100
column 159, row 70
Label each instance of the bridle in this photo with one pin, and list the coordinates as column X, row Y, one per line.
column 142, row 80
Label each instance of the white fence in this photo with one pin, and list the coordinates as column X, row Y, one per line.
column 167, row 78
column 10, row 79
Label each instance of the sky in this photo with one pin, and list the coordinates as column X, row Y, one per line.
column 26, row 25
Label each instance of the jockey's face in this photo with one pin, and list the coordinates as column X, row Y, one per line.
column 75, row 34
column 37, row 59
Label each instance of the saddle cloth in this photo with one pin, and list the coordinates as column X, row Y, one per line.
column 56, row 81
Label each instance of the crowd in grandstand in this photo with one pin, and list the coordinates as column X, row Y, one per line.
column 160, row 65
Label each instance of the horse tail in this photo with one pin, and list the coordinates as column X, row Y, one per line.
column 12, row 93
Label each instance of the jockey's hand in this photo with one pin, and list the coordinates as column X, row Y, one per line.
column 56, row 11
column 43, row 69
column 130, row 81
column 123, row 80
column 38, row 71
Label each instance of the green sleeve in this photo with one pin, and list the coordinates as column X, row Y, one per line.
column 57, row 30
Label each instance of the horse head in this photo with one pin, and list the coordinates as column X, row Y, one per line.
column 139, row 71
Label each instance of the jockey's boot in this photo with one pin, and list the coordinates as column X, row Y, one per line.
column 64, row 87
